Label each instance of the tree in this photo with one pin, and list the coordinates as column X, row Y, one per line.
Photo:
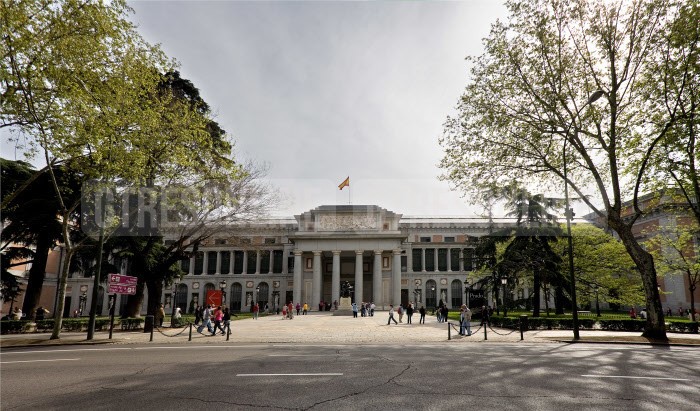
column 676, row 252
column 527, row 111
column 602, row 261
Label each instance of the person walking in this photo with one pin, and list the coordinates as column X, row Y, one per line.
column 484, row 315
column 159, row 315
column 284, row 312
column 409, row 313
column 467, row 320
column 305, row 308
column 354, row 310
column 298, row 307
column 206, row 320
column 400, row 310
column 363, row 309
column 218, row 318
column 421, row 311
column 256, row 309
column 371, row 309
column 391, row 315
column 290, row 310
column 197, row 315
column 227, row 318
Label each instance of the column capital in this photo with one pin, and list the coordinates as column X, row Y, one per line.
column 378, row 252
column 336, row 252
column 298, row 252
column 359, row 252
column 317, row 253
column 396, row 252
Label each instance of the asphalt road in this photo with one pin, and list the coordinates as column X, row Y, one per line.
column 352, row 377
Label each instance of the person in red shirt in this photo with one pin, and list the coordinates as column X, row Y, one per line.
column 256, row 309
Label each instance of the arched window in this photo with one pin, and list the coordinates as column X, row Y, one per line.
column 263, row 295
column 457, row 293
column 236, row 296
column 430, row 294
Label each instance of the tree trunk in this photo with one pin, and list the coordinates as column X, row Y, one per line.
column 60, row 299
column 134, row 302
column 559, row 299
column 155, row 291
column 655, row 326
column 691, row 287
column 536, row 286
column 36, row 275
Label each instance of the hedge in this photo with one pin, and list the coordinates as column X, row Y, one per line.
column 544, row 323
column 68, row 324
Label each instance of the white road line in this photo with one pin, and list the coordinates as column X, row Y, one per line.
column 308, row 355
column 57, row 359
column 64, row 350
column 633, row 377
column 133, row 348
column 293, row 375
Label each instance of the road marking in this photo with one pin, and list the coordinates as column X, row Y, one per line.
column 633, row 377
column 308, row 355
column 293, row 375
column 64, row 350
column 57, row 359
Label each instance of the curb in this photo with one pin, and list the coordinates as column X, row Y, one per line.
column 51, row 343
column 612, row 342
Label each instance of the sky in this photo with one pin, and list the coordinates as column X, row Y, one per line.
column 319, row 91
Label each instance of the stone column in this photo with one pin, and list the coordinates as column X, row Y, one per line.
column 218, row 262
column 258, row 258
column 422, row 259
column 436, row 260
column 409, row 260
column 449, row 259
column 359, row 276
column 205, row 262
column 396, row 278
column 231, row 259
column 461, row 260
column 285, row 261
column 316, row 283
column 272, row 261
column 335, row 278
column 377, row 279
column 297, row 276
column 245, row 263
column 190, row 273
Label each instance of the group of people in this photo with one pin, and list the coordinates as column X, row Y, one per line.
column 408, row 311
column 221, row 316
column 288, row 310
column 695, row 316
column 365, row 309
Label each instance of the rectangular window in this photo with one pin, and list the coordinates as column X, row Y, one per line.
column 251, row 262
column 309, row 263
column 449, row 239
column 442, row 259
column 468, row 259
column 238, row 262
column 225, row 262
column 417, row 254
column 270, row 241
column 185, row 266
column 385, row 262
column 198, row 263
column 454, row 259
column 265, row 261
column 277, row 258
column 404, row 263
column 429, row 259
column 290, row 264
column 425, row 239
column 211, row 262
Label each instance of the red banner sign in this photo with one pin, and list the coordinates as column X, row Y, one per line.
column 122, row 289
column 214, row 298
column 122, row 284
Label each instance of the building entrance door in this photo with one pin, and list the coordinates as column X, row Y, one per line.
column 404, row 297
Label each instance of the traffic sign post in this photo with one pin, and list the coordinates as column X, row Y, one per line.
column 119, row 284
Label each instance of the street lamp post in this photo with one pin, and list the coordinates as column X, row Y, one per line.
column 174, row 300
column 432, row 288
column 466, row 290
column 83, row 298
column 257, row 290
column 597, row 305
column 504, row 281
column 570, row 215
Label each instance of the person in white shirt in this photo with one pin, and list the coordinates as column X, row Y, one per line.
column 391, row 316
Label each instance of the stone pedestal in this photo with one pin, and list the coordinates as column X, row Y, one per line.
column 345, row 307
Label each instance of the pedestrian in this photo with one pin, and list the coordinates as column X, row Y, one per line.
column 354, row 310
column 668, row 312
column 633, row 313
column 41, row 312
column 17, row 315
column 400, row 310
column 484, row 315
column 206, row 320
column 284, row 312
column 256, row 309
column 409, row 313
column 363, row 309
column 445, row 313
column 371, row 309
column 643, row 314
column 290, row 310
column 218, row 318
column 391, row 315
column 468, row 320
column 298, row 307
column 305, row 308
column 421, row 311
column 159, row 315
column 197, row 315
column 227, row 319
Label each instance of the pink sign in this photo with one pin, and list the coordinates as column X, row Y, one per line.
column 122, row 279
column 122, row 289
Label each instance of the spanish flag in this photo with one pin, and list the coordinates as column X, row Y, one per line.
column 345, row 183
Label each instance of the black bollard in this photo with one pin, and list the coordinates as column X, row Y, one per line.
column 150, row 324
column 228, row 331
column 190, row 332
column 486, row 337
column 523, row 324
column 449, row 332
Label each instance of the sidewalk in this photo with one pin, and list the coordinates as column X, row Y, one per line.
column 326, row 329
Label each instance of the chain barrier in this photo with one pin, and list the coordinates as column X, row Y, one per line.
column 458, row 329
column 501, row 333
column 174, row 335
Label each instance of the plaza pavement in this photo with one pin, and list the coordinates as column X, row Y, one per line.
column 325, row 328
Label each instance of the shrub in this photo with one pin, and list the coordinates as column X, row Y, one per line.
column 131, row 323
column 12, row 326
column 622, row 325
column 682, row 326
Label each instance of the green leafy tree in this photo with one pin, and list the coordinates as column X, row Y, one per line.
column 528, row 111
